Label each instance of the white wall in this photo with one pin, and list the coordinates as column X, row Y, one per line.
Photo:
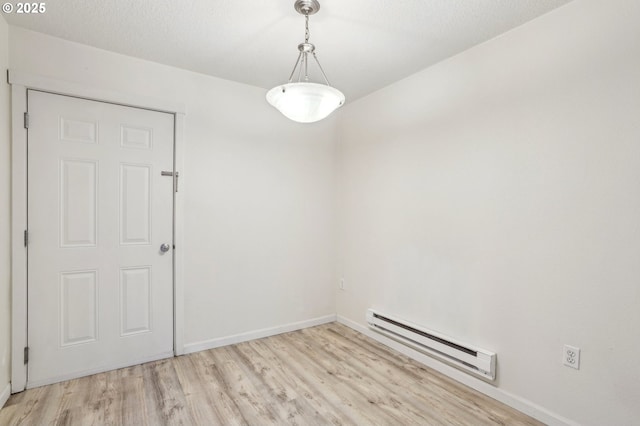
column 492, row 197
column 5, row 214
column 258, row 189
column 495, row 197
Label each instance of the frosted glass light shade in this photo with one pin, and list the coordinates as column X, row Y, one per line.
column 305, row 102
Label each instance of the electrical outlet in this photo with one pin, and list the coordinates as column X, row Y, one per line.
column 571, row 357
column 341, row 283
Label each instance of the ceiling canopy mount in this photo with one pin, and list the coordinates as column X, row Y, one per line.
column 307, row 7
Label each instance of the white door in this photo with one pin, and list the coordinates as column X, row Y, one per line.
column 100, row 289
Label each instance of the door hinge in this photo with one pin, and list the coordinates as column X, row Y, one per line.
column 26, row 355
column 175, row 181
column 26, row 120
column 26, row 237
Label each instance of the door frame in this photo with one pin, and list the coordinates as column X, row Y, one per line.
column 21, row 82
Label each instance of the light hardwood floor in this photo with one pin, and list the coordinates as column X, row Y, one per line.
column 323, row 375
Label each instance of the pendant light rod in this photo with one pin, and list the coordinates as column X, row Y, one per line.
column 294, row 68
column 321, row 70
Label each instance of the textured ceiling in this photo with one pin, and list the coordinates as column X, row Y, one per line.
column 363, row 45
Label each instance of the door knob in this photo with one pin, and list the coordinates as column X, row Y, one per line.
column 165, row 248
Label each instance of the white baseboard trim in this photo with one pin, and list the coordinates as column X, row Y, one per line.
column 4, row 396
column 257, row 334
column 520, row 404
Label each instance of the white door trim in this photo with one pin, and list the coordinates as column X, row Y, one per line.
column 61, row 87
column 20, row 83
column 18, row 250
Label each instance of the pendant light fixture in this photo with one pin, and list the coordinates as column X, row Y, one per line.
column 302, row 100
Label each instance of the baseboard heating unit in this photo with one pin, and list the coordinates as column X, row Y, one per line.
column 467, row 357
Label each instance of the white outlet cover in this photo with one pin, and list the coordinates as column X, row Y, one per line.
column 571, row 357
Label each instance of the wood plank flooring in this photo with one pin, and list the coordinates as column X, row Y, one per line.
column 325, row 375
